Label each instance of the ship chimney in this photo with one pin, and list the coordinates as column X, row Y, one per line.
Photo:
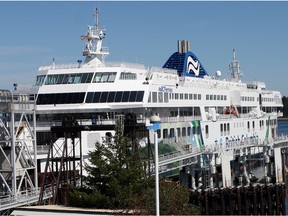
column 183, row 46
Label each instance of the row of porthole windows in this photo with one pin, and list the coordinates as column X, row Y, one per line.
column 163, row 97
column 267, row 99
column 216, row 97
column 244, row 98
column 178, row 132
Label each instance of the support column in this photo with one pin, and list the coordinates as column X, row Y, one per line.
column 226, row 170
column 278, row 165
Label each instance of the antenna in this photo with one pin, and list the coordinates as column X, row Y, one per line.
column 96, row 14
column 235, row 68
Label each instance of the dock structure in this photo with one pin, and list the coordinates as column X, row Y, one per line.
column 18, row 155
column 235, row 163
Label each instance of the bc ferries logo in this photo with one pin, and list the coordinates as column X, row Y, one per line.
column 165, row 89
column 193, row 66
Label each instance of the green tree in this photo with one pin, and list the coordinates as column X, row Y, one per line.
column 115, row 174
column 285, row 106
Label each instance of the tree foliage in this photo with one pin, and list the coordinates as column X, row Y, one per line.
column 285, row 106
column 116, row 172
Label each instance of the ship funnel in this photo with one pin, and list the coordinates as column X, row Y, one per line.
column 183, row 46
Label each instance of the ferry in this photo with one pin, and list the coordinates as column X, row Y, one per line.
column 194, row 110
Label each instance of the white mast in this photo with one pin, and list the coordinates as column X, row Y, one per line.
column 94, row 52
column 234, row 67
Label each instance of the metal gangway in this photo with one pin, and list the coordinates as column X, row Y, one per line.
column 18, row 155
column 178, row 159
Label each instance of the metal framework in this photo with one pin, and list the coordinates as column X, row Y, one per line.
column 18, row 155
column 62, row 165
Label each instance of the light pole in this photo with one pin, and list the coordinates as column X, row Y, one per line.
column 154, row 125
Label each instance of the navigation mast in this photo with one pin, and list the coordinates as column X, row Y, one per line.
column 234, row 67
column 94, row 51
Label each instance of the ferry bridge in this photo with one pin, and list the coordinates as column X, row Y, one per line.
column 18, row 156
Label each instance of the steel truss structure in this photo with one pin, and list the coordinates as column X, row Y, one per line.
column 18, row 155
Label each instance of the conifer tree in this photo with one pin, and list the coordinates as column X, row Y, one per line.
column 115, row 172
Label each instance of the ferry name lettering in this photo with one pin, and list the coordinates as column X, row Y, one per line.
column 165, row 89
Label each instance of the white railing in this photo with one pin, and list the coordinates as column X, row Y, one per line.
column 179, row 156
column 21, row 198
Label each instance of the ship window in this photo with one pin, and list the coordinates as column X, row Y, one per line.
column 178, row 132
column 86, row 77
column 211, row 97
column 125, row 97
column 98, row 77
column 221, row 129
column 181, row 96
column 133, row 95
column 77, row 78
column 193, row 130
column 60, row 79
column 172, row 133
column 50, row 80
column 228, row 129
column 51, row 99
column 128, row 76
column 166, row 97
column 154, row 97
column 39, row 80
column 89, row 97
column 160, row 97
column 207, row 97
column 189, row 131
column 111, row 77
column 111, row 97
column 75, row 97
column 183, row 132
column 190, row 97
column 104, row 77
column 149, row 98
column 195, row 96
column 165, row 133
column 96, row 97
column 118, row 97
column 140, row 95
column 62, row 98
column 186, row 96
column 104, row 96
column 207, row 131
column 176, row 96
